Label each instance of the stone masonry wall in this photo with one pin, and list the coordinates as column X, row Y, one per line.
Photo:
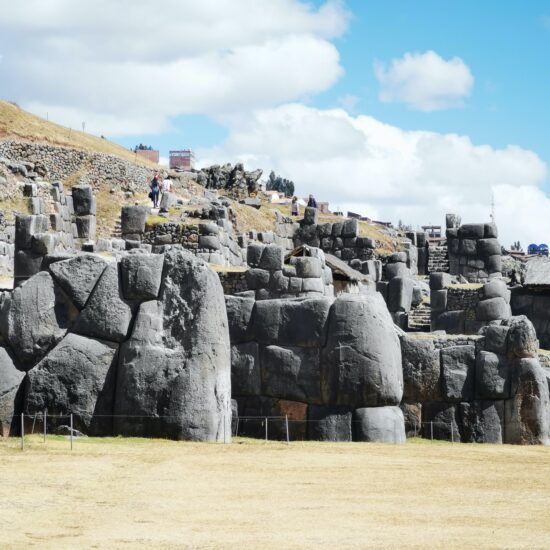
column 332, row 368
column 474, row 250
column 489, row 388
column 58, row 163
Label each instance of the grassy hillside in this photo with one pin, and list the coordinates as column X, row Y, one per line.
column 19, row 124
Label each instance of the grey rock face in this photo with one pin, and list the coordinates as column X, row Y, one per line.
column 35, row 317
column 397, row 270
column 379, row 424
column 495, row 338
column 291, row 373
column 527, row 418
column 439, row 281
column 245, row 369
column 440, row 421
column 361, row 363
column 300, row 323
column 176, row 366
column 107, row 315
column 329, row 423
column 78, row 376
column 493, row 309
column 10, row 382
column 458, row 372
column 522, row 338
column 239, row 315
column 133, row 219
column 421, row 370
column 272, row 258
column 141, row 276
column 482, row 421
column 307, row 267
column 78, row 276
column 492, row 376
column 400, row 292
column 83, row 200
column 451, row 322
column 311, row 216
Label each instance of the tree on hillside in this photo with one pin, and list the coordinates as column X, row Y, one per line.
column 280, row 184
column 142, row 147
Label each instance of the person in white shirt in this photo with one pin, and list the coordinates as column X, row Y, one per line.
column 167, row 185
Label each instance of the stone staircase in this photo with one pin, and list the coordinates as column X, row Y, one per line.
column 420, row 319
column 116, row 233
column 438, row 258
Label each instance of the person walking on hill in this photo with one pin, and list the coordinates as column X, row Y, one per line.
column 155, row 190
column 312, row 203
column 294, row 207
column 166, row 185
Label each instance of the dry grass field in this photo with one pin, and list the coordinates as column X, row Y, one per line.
column 19, row 124
column 118, row 493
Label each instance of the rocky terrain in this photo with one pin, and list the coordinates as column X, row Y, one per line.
column 219, row 312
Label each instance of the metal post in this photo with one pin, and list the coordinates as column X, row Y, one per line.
column 452, row 434
column 237, row 428
column 432, row 431
column 22, row 431
column 45, row 423
column 224, row 429
column 287, row 436
column 266, row 428
column 33, row 423
column 71, row 431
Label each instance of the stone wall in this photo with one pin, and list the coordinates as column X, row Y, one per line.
column 534, row 303
column 458, row 309
column 331, row 367
column 341, row 239
column 59, row 163
column 485, row 389
column 84, row 334
column 474, row 250
column 304, row 276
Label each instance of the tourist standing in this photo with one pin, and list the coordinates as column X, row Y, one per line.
column 155, row 190
column 312, row 203
column 294, row 207
column 166, row 185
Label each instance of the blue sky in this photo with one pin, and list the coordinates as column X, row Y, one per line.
column 397, row 109
column 506, row 45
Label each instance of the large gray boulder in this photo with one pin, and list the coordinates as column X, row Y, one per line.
column 291, row 373
column 10, row 382
column 78, row 276
column 107, row 314
column 83, row 200
column 458, row 373
column 176, row 367
column 527, row 411
column 78, row 376
column 380, row 425
column 421, row 369
column 329, row 423
column 239, row 315
column 492, row 376
column 133, row 218
column 245, row 369
column 361, row 363
column 522, row 338
column 482, row 421
column 141, row 276
column 34, row 317
column 440, row 420
column 300, row 323
column 493, row 309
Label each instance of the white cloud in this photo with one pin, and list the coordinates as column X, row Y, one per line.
column 425, row 81
column 386, row 173
column 127, row 67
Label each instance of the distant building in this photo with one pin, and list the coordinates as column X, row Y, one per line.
column 182, row 160
column 148, row 154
